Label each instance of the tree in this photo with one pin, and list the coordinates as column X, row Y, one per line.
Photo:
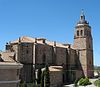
column 46, row 77
column 42, row 79
column 39, row 76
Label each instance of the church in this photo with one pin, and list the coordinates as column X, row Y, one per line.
column 67, row 62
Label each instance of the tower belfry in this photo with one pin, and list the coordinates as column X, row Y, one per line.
column 83, row 44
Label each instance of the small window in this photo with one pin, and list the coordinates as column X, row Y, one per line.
column 81, row 32
column 77, row 33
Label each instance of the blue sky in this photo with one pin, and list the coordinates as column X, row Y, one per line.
column 54, row 20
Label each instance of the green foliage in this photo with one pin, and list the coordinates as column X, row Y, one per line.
column 81, row 81
column 30, row 85
column 84, row 81
column 27, row 85
column 97, row 83
column 97, row 68
column 23, row 84
column 45, row 78
column 39, row 76
column 42, row 79
column 76, row 83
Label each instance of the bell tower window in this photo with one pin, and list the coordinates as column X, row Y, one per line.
column 81, row 32
column 78, row 33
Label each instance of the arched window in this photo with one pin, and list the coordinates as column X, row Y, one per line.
column 81, row 32
column 78, row 33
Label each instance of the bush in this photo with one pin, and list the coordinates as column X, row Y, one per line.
column 84, row 82
column 30, row 85
column 97, row 83
column 76, row 83
column 81, row 81
column 23, row 85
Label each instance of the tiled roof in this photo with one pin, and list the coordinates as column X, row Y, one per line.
column 8, row 62
column 32, row 40
column 7, row 56
column 24, row 39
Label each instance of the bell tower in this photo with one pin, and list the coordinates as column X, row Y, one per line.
column 84, row 46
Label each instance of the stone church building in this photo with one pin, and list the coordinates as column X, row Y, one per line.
column 66, row 62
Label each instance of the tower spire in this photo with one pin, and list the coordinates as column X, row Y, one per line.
column 82, row 12
column 82, row 18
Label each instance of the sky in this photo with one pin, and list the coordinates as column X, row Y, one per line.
column 54, row 20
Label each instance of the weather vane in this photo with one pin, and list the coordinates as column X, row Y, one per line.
column 82, row 12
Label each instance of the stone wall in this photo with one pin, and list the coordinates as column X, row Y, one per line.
column 44, row 54
column 83, row 61
column 8, row 85
column 61, row 55
column 24, row 55
column 73, row 57
column 80, row 43
column 26, row 52
column 27, row 73
column 90, row 63
column 72, row 68
column 56, row 78
column 9, row 75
